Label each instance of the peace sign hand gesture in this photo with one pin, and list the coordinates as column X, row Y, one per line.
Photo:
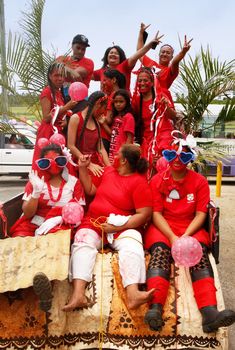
column 143, row 27
column 156, row 40
column 187, row 45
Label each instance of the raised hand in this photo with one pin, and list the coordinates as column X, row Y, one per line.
column 156, row 40
column 187, row 45
column 37, row 183
column 143, row 27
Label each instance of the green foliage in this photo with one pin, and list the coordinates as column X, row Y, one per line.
column 26, row 59
column 202, row 80
column 227, row 113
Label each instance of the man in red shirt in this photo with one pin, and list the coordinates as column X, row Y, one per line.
column 78, row 67
column 167, row 69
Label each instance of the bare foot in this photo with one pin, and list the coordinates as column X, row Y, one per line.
column 74, row 302
column 138, row 298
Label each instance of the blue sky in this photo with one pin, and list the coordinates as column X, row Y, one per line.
column 208, row 22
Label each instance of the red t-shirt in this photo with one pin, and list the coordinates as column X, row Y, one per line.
column 119, row 194
column 84, row 62
column 165, row 77
column 121, row 126
column 193, row 189
column 123, row 68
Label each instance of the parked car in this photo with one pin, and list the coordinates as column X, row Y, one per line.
column 16, row 151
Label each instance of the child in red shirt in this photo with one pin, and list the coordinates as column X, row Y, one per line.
column 123, row 128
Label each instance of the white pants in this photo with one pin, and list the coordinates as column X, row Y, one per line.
column 131, row 256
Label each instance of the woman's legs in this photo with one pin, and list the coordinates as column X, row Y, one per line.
column 158, row 277
column 205, row 295
column 132, row 267
column 84, row 251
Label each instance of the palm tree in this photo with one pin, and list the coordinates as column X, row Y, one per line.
column 202, row 79
column 27, row 62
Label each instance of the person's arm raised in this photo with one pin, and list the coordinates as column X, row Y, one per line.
column 140, row 41
column 141, row 52
column 176, row 60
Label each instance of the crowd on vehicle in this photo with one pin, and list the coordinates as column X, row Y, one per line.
column 123, row 158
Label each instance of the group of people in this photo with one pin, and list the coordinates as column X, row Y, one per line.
column 118, row 142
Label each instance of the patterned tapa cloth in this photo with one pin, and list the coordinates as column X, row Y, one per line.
column 106, row 323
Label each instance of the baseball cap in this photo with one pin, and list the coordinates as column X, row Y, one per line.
column 80, row 39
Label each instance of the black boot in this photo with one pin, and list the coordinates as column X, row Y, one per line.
column 154, row 317
column 42, row 288
column 212, row 319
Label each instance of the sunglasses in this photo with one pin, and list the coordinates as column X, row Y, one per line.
column 184, row 157
column 45, row 163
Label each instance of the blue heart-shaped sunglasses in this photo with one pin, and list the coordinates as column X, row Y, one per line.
column 184, row 157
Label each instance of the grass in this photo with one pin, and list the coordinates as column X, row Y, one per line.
column 22, row 111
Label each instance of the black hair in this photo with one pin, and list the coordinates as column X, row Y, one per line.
column 51, row 147
column 80, row 106
column 120, row 78
column 124, row 93
column 132, row 154
column 138, row 115
column 55, row 66
column 120, row 51
column 169, row 46
column 93, row 98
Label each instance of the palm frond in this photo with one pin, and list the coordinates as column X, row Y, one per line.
column 201, row 80
column 227, row 113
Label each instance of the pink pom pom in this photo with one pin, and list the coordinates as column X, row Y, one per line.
column 78, row 91
column 186, row 251
column 43, row 142
column 161, row 165
column 58, row 139
column 72, row 213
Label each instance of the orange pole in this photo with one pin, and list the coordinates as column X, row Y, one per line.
column 219, row 178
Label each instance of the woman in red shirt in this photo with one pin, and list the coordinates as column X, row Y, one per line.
column 84, row 137
column 115, row 58
column 154, row 117
column 52, row 96
column 168, row 67
column 180, row 200
column 120, row 193
column 48, row 190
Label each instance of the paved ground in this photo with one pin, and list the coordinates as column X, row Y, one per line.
column 226, row 266
column 12, row 186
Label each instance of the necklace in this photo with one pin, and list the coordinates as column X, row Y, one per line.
column 60, row 191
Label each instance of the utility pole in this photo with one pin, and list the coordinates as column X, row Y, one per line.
column 3, row 62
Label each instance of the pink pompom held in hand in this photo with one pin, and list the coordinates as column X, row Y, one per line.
column 58, row 139
column 72, row 213
column 186, row 251
column 78, row 91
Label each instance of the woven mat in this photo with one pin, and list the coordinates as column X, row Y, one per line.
column 106, row 323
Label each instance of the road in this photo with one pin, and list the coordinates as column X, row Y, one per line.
column 11, row 186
